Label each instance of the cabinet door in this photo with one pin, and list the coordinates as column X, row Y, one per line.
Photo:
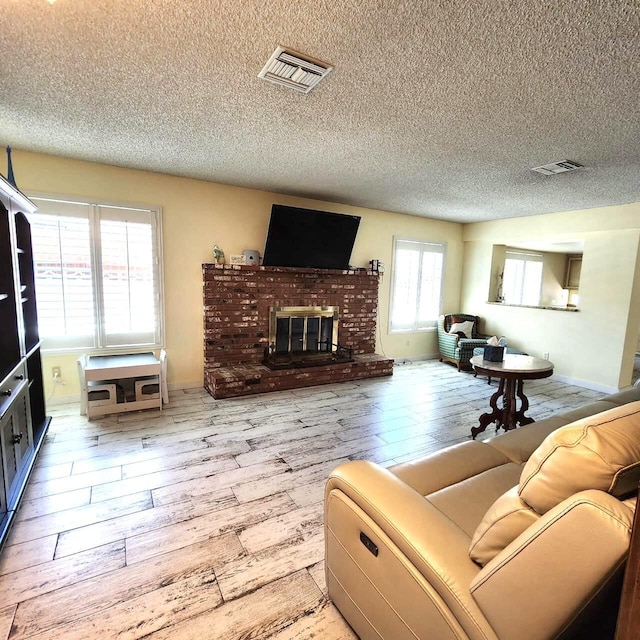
column 23, row 440
column 36, row 395
column 10, row 462
column 3, row 499
column 16, row 441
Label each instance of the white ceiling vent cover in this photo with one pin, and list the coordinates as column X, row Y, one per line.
column 557, row 167
column 294, row 70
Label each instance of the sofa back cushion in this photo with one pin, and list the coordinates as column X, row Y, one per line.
column 598, row 452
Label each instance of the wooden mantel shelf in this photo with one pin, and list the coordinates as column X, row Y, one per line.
column 355, row 271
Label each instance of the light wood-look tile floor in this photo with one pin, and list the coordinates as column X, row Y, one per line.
column 205, row 520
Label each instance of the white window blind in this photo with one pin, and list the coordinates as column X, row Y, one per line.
column 64, row 283
column 98, row 275
column 522, row 282
column 418, row 269
column 128, row 284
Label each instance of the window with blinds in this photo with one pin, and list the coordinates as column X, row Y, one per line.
column 98, row 275
column 522, row 278
column 416, row 293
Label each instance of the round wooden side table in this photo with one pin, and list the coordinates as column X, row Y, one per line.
column 512, row 372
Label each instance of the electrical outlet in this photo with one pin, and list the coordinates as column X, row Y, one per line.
column 546, row 356
column 57, row 373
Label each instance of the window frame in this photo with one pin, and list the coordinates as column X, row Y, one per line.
column 440, row 248
column 95, row 248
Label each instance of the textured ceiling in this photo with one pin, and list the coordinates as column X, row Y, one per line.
column 435, row 108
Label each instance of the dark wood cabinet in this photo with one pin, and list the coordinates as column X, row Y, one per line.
column 23, row 420
column 26, row 281
column 39, row 420
column 9, row 336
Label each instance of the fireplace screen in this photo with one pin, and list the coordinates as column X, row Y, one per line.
column 304, row 337
column 303, row 330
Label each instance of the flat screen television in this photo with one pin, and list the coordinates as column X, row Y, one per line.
column 307, row 238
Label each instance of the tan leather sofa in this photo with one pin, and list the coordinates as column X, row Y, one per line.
column 520, row 537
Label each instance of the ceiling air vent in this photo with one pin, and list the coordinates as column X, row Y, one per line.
column 294, row 70
column 557, row 167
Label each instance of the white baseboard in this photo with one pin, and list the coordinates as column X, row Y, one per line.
column 71, row 398
column 587, row 385
column 178, row 386
column 403, row 360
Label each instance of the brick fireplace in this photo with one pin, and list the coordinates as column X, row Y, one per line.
column 317, row 310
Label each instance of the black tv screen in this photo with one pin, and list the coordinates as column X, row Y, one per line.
column 307, row 238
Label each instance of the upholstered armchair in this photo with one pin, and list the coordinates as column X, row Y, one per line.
column 453, row 347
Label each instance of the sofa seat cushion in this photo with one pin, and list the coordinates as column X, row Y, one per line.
column 598, row 452
column 466, row 502
column 505, row 520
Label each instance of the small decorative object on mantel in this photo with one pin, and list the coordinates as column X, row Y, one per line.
column 218, row 254
column 252, row 257
column 377, row 266
column 10, row 177
column 237, row 258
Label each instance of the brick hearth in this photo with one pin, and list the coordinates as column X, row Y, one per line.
column 237, row 302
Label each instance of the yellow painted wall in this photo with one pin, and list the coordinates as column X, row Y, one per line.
column 594, row 345
column 555, row 265
column 199, row 214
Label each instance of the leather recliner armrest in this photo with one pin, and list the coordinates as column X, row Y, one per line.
column 432, row 543
column 546, row 576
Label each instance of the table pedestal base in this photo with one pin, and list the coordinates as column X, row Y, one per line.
column 508, row 416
